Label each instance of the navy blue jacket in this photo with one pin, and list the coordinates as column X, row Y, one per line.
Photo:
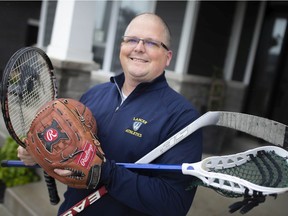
column 151, row 114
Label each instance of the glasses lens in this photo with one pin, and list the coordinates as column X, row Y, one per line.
column 131, row 40
column 151, row 44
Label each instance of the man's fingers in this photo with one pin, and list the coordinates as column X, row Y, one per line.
column 63, row 172
column 25, row 156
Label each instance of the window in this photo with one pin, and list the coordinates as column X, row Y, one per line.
column 107, row 40
column 165, row 9
column 127, row 11
column 211, row 38
column 103, row 11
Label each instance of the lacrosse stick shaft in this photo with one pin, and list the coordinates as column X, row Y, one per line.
column 206, row 170
column 208, row 118
column 164, row 167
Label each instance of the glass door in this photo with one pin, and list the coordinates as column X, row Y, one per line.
column 268, row 66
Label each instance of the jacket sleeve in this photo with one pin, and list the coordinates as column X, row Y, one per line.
column 156, row 193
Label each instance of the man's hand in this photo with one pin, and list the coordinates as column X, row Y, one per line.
column 62, row 172
column 29, row 161
column 25, row 156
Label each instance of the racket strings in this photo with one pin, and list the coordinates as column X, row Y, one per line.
column 281, row 165
column 262, row 174
column 29, row 87
column 265, row 169
column 274, row 170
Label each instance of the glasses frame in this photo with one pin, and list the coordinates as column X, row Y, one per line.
column 159, row 43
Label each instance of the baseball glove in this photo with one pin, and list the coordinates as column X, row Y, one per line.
column 62, row 136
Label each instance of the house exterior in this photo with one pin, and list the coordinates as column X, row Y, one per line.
column 228, row 55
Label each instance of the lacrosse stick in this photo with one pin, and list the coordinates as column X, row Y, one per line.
column 263, row 169
column 255, row 174
column 269, row 130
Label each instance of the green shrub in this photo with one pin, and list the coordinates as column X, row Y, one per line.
column 13, row 176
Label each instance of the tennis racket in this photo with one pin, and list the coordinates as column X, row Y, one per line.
column 28, row 83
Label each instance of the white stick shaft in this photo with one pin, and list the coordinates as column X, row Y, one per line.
column 209, row 118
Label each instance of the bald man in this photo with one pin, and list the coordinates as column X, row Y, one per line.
column 135, row 112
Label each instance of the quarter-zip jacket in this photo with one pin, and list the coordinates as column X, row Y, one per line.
column 151, row 114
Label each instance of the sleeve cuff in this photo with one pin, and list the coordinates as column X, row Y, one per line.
column 107, row 169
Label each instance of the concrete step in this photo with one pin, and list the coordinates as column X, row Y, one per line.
column 31, row 200
column 4, row 211
column 209, row 202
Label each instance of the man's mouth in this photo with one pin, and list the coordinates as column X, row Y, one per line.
column 138, row 60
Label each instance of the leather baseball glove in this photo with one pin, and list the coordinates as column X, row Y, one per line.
column 62, row 136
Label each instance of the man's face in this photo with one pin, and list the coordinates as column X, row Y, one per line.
column 140, row 61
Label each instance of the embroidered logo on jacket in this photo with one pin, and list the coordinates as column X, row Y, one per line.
column 137, row 123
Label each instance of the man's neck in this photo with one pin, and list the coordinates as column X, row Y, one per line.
column 128, row 87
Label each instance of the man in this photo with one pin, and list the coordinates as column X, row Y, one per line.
column 136, row 112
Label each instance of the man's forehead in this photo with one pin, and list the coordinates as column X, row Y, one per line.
column 144, row 18
column 144, row 23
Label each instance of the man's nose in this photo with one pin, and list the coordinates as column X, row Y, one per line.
column 140, row 45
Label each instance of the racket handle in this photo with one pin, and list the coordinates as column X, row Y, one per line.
column 52, row 189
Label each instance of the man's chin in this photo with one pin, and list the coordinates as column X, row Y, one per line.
column 141, row 75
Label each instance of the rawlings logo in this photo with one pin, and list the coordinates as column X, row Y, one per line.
column 87, row 156
column 51, row 135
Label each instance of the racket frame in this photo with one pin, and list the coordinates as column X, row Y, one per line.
column 51, row 184
column 4, row 86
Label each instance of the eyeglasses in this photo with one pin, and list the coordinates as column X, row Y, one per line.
column 148, row 43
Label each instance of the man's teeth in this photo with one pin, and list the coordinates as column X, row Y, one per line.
column 139, row 60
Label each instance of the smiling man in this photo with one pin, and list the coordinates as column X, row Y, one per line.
column 135, row 112
column 143, row 53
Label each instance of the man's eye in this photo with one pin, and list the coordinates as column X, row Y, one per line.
column 132, row 41
column 151, row 43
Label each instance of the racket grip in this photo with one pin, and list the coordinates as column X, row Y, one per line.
column 52, row 189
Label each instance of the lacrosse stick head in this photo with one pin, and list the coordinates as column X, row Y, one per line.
column 263, row 170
